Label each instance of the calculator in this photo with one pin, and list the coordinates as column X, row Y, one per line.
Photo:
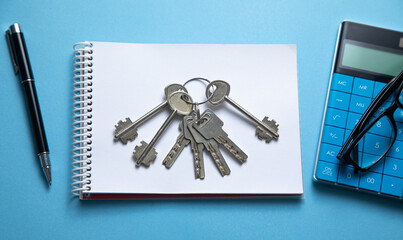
column 365, row 59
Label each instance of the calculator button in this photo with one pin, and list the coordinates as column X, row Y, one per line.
column 339, row 100
column 327, row 171
column 329, row 152
column 382, row 108
column 341, row 82
column 393, row 167
column 363, row 87
column 352, row 120
column 382, row 127
column 399, row 131
column 392, row 186
column 336, row 117
column 347, row 176
column 377, row 88
column 369, row 160
column 333, row 135
column 395, row 150
column 391, row 98
column 375, row 144
column 359, row 104
column 370, row 181
column 398, row 115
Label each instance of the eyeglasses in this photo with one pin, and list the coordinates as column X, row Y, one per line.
column 376, row 131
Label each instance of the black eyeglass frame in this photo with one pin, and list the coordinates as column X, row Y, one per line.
column 365, row 123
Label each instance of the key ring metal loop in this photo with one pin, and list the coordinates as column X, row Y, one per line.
column 197, row 79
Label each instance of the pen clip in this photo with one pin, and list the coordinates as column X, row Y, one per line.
column 10, row 48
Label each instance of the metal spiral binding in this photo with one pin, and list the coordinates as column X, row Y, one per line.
column 82, row 118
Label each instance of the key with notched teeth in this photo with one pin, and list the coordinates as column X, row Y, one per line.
column 197, row 148
column 127, row 130
column 182, row 141
column 177, row 148
column 212, row 146
column 178, row 102
column 266, row 129
column 210, row 126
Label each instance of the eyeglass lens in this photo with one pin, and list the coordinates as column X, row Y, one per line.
column 374, row 144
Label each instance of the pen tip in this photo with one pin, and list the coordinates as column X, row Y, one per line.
column 46, row 166
column 47, row 175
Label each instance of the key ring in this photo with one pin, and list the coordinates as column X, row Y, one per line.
column 197, row 103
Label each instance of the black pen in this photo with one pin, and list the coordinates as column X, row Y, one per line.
column 21, row 64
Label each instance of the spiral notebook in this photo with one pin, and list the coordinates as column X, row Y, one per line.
column 113, row 81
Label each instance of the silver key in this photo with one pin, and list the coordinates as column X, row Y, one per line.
column 266, row 129
column 212, row 146
column 177, row 148
column 210, row 126
column 178, row 106
column 150, row 156
column 181, row 142
column 127, row 130
column 197, row 148
column 262, row 134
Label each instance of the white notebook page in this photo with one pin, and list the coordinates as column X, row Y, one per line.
column 129, row 80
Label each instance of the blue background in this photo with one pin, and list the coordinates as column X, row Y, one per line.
column 29, row 209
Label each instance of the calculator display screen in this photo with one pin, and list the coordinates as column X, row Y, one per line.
column 371, row 59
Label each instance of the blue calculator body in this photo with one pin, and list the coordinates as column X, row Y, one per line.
column 366, row 58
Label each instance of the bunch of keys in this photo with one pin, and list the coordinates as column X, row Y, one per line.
column 200, row 131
